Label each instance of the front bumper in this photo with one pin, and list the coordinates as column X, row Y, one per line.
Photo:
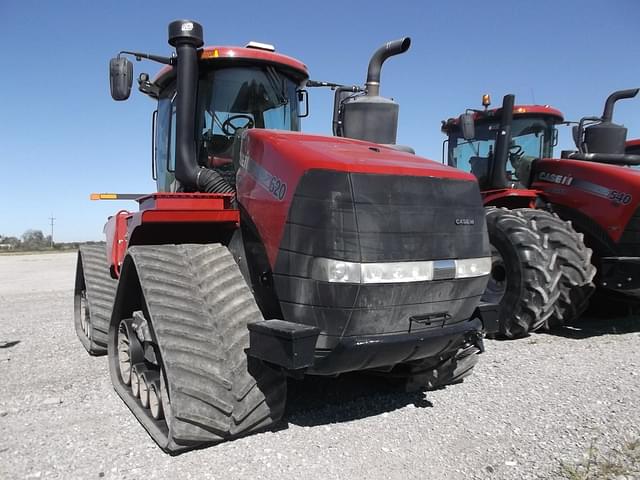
column 620, row 274
column 378, row 351
column 292, row 346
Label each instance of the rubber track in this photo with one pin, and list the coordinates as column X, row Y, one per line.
column 574, row 258
column 196, row 292
column 100, row 292
column 527, row 308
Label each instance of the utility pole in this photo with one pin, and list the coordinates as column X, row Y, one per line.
column 51, row 218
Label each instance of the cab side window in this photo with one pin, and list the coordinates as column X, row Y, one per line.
column 165, row 145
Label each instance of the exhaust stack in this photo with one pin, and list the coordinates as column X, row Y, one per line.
column 389, row 49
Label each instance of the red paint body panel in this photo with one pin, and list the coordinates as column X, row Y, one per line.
column 115, row 231
column 208, row 55
column 288, row 155
column 611, row 214
column 510, row 197
column 169, row 208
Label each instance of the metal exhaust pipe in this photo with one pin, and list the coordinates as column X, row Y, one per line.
column 389, row 49
column 607, row 115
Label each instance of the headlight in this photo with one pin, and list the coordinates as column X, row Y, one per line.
column 338, row 271
column 473, row 267
column 395, row 272
column 329, row 270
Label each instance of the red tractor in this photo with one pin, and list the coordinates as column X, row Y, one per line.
column 567, row 208
column 268, row 253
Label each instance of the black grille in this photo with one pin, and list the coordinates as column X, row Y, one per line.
column 378, row 218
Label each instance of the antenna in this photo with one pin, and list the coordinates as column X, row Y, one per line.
column 51, row 219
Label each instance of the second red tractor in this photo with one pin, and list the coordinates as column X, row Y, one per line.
column 553, row 222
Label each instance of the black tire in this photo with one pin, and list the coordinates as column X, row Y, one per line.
column 574, row 258
column 526, row 265
column 93, row 298
column 198, row 305
column 436, row 373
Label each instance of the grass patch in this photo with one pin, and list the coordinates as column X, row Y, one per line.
column 614, row 463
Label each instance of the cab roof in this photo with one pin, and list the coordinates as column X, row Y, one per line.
column 518, row 111
column 226, row 55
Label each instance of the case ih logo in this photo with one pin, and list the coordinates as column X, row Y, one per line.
column 465, row 221
column 555, row 178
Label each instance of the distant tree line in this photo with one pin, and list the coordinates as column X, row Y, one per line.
column 33, row 240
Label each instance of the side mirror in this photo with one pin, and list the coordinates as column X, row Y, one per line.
column 120, row 78
column 303, row 99
column 467, row 126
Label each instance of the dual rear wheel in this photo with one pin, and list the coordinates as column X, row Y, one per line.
column 541, row 271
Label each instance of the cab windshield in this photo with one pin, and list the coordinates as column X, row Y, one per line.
column 532, row 137
column 231, row 99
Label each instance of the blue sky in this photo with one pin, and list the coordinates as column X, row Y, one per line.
column 62, row 137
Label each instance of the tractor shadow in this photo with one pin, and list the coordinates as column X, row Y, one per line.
column 315, row 401
column 609, row 313
column 590, row 326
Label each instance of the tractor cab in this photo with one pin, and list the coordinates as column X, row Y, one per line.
column 237, row 88
column 474, row 138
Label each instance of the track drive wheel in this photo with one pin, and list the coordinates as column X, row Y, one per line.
column 186, row 345
column 574, row 258
column 525, row 274
column 93, row 298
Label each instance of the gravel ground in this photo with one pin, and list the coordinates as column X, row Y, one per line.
column 530, row 406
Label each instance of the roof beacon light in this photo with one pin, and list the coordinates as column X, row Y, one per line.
column 260, row 46
column 486, row 100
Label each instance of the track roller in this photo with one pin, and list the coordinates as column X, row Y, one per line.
column 155, row 401
column 147, row 379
